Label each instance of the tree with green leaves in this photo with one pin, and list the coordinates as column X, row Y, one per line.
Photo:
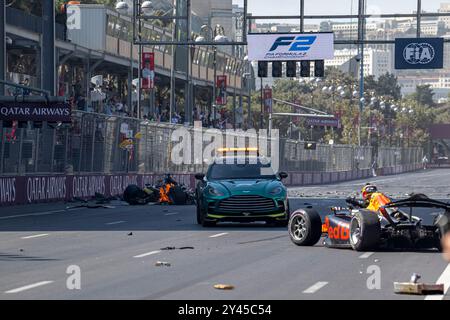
column 385, row 86
column 424, row 95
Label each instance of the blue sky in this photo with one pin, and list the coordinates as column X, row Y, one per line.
column 285, row 7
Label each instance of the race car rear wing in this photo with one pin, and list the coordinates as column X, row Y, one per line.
column 419, row 201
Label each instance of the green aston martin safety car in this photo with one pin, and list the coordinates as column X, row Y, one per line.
column 241, row 189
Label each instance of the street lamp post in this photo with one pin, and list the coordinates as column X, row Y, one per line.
column 248, row 77
column 362, row 26
column 214, row 36
column 138, row 91
column 172, row 70
column 214, row 97
column 261, row 119
column 122, row 8
column 219, row 37
column 188, row 98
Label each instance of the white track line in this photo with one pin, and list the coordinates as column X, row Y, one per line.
column 366, row 255
column 28, row 287
column 115, row 222
column 35, row 236
column 147, row 254
column 313, row 289
column 443, row 279
column 171, row 213
column 218, row 235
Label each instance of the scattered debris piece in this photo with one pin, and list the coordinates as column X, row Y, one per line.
column 91, row 206
column 102, row 199
column 416, row 288
column 130, row 234
column 174, row 248
column 162, row 264
column 223, row 287
column 76, row 199
column 415, row 277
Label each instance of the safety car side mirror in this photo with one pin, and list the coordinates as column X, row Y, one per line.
column 283, row 175
column 199, row 176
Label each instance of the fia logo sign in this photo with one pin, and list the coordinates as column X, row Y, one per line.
column 419, row 53
column 301, row 43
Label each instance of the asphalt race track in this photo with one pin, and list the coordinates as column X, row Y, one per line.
column 117, row 248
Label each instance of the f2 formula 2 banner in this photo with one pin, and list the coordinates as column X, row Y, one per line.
column 285, row 47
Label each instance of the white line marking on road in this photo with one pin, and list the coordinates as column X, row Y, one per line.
column 147, row 254
column 218, row 235
column 115, row 222
column 171, row 213
column 35, row 236
column 443, row 279
column 366, row 255
column 313, row 289
column 28, row 287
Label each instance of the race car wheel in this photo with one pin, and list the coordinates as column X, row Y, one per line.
column 305, row 227
column 201, row 219
column 365, row 231
column 134, row 195
column 208, row 223
column 177, row 196
column 199, row 214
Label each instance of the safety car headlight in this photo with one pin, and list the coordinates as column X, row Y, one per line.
column 215, row 192
column 276, row 190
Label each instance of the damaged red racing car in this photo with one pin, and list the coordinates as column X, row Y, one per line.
column 394, row 226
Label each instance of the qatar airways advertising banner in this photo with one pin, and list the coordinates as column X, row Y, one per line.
column 54, row 188
column 32, row 111
column 290, row 46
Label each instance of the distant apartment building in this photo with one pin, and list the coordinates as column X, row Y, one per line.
column 440, row 83
column 376, row 62
column 445, row 8
column 349, row 30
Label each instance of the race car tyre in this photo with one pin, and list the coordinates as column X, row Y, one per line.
column 199, row 214
column 202, row 220
column 283, row 223
column 305, row 227
column 365, row 231
column 208, row 223
column 134, row 195
column 177, row 196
